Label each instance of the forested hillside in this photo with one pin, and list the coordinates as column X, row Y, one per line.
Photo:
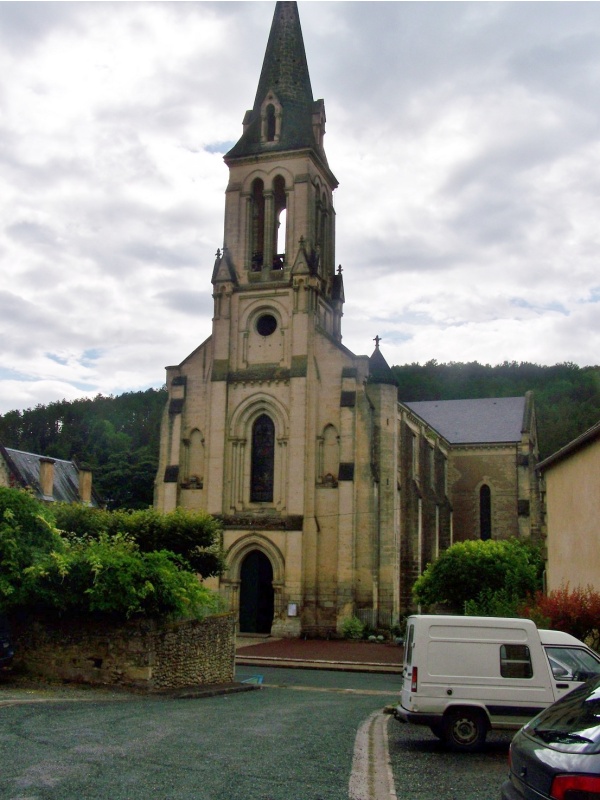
column 118, row 437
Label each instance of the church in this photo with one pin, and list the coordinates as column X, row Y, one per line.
column 333, row 494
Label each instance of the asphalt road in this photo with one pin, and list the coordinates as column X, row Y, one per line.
column 293, row 740
column 424, row 770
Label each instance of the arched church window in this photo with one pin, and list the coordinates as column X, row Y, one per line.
column 258, row 225
column 270, row 122
column 485, row 512
column 262, row 460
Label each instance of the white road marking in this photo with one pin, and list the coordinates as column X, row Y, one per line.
column 372, row 692
column 371, row 777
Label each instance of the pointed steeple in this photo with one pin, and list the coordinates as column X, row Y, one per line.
column 284, row 115
column 379, row 369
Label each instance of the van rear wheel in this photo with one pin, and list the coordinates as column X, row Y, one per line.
column 465, row 729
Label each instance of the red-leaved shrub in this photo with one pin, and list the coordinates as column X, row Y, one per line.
column 575, row 611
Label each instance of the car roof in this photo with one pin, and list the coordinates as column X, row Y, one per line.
column 559, row 638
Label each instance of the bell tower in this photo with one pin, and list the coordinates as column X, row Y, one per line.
column 261, row 425
column 279, row 215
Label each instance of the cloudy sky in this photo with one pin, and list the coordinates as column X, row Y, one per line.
column 466, row 139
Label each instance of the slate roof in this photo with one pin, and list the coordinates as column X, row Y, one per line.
column 285, row 72
column 25, row 468
column 484, row 421
column 379, row 369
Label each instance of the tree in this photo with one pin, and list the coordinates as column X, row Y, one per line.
column 474, row 571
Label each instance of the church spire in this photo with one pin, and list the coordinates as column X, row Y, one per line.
column 284, row 115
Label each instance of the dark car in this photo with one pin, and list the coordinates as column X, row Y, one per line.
column 557, row 754
column 6, row 648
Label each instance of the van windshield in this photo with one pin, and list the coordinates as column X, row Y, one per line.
column 572, row 663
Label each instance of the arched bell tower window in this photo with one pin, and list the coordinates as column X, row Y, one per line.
column 323, row 222
column 258, row 224
column 280, row 201
column 485, row 512
column 263, row 460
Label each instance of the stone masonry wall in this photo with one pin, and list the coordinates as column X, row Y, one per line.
column 142, row 654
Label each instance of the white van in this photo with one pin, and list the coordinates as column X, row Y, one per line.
column 463, row 676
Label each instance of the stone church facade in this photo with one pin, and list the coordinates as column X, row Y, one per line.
column 333, row 495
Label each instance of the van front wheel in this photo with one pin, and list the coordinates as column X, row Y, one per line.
column 465, row 729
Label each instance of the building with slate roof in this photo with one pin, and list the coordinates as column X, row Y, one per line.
column 50, row 479
column 572, row 491
column 333, row 495
column 491, row 467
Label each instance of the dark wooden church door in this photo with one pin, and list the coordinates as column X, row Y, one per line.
column 256, row 594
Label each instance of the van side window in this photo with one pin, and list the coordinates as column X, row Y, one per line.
column 515, row 661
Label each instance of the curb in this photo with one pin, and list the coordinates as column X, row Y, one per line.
column 298, row 663
column 198, row 692
column 16, row 696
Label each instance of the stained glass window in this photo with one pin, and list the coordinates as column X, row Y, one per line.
column 263, row 460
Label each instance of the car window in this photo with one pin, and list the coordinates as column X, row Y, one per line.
column 515, row 661
column 573, row 723
column 572, row 663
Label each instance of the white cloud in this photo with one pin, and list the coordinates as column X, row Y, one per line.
column 464, row 135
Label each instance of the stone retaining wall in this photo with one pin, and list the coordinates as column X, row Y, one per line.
column 143, row 654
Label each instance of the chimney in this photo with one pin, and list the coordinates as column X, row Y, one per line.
column 47, row 477
column 85, row 485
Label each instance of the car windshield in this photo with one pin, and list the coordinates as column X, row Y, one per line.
column 572, row 663
column 573, row 723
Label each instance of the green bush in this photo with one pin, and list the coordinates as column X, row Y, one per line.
column 352, row 628
column 110, row 575
column 487, row 574
column 490, row 603
column 95, row 568
column 26, row 534
column 194, row 535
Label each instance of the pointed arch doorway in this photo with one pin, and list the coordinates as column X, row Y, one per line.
column 256, row 593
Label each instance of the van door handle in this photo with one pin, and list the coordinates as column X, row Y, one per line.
column 562, row 685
